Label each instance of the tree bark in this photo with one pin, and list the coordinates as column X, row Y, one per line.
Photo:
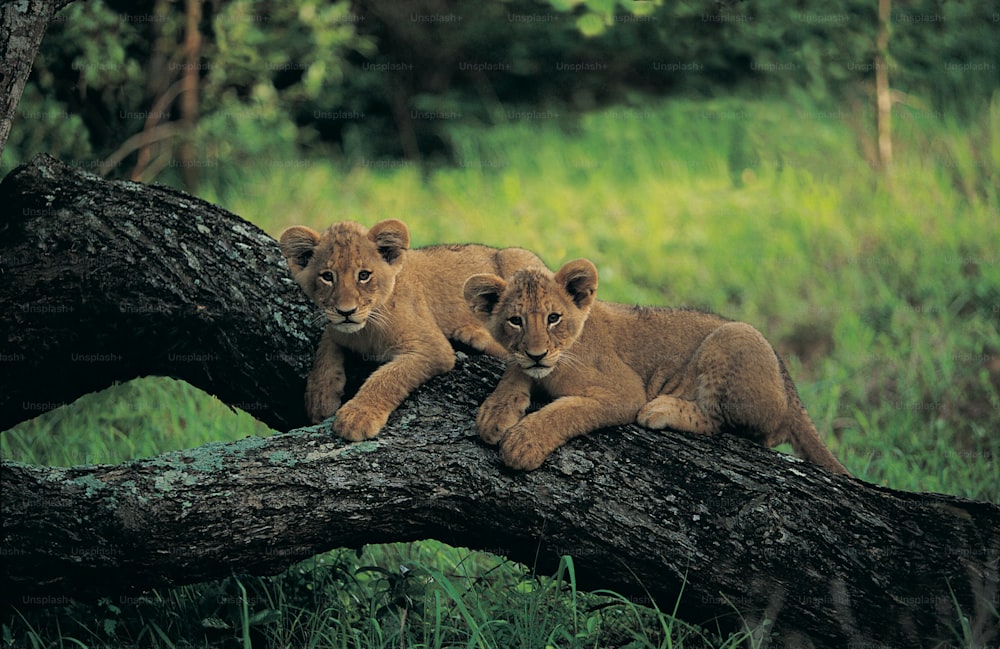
column 22, row 26
column 829, row 560
column 108, row 281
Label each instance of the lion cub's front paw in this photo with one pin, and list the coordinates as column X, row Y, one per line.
column 494, row 419
column 525, row 449
column 320, row 406
column 324, row 387
column 356, row 422
column 477, row 337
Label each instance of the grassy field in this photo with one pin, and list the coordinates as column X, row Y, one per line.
column 882, row 295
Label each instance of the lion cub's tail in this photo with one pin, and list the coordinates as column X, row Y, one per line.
column 805, row 439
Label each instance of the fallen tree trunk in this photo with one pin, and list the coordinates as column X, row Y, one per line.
column 827, row 559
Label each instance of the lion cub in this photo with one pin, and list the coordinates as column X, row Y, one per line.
column 608, row 364
column 391, row 304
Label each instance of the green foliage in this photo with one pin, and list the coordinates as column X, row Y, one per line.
column 372, row 81
column 288, row 70
column 450, row 597
column 269, row 67
column 83, row 80
column 263, row 69
column 56, row 131
column 598, row 15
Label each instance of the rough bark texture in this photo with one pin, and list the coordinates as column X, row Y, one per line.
column 22, row 26
column 830, row 560
column 107, row 281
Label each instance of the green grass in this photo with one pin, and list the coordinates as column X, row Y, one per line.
column 140, row 418
column 883, row 298
column 340, row 599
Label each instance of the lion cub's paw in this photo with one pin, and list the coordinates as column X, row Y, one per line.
column 356, row 422
column 670, row 412
column 478, row 338
column 653, row 418
column 524, row 449
column 320, row 406
column 324, row 387
column 495, row 418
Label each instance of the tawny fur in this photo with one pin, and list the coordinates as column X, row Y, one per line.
column 391, row 304
column 608, row 364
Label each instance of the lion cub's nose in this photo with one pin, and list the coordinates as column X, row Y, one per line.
column 346, row 312
column 536, row 357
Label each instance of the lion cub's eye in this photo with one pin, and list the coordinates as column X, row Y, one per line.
column 515, row 321
column 554, row 318
column 364, row 276
column 326, row 276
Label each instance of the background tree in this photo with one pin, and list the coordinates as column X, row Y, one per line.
column 345, row 80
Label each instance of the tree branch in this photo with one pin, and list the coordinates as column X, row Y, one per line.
column 22, row 26
column 108, row 281
column 829, row 560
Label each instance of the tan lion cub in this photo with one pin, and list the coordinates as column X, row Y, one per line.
column 391, row 304
column 608, row 364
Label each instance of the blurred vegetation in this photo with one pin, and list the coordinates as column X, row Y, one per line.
column 363, row 82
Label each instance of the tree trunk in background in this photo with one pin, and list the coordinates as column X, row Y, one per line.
column 22, row 26
column 132, row 279
column 163, row 87
column 882, row 92
column 187, row 155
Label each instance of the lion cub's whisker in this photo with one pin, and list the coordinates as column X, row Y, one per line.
column 380, row 319
column 571, row 359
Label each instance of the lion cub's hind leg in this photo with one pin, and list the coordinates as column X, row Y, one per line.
column 749, row 389
column 667, row 411
column 737, row 385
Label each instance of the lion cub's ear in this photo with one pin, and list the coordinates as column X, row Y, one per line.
column 297, row 244
column 392, row 237
column 579, row 279
column 482, row 292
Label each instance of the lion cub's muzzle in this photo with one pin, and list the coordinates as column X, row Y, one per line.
column 537, row 365
column 347, row 321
